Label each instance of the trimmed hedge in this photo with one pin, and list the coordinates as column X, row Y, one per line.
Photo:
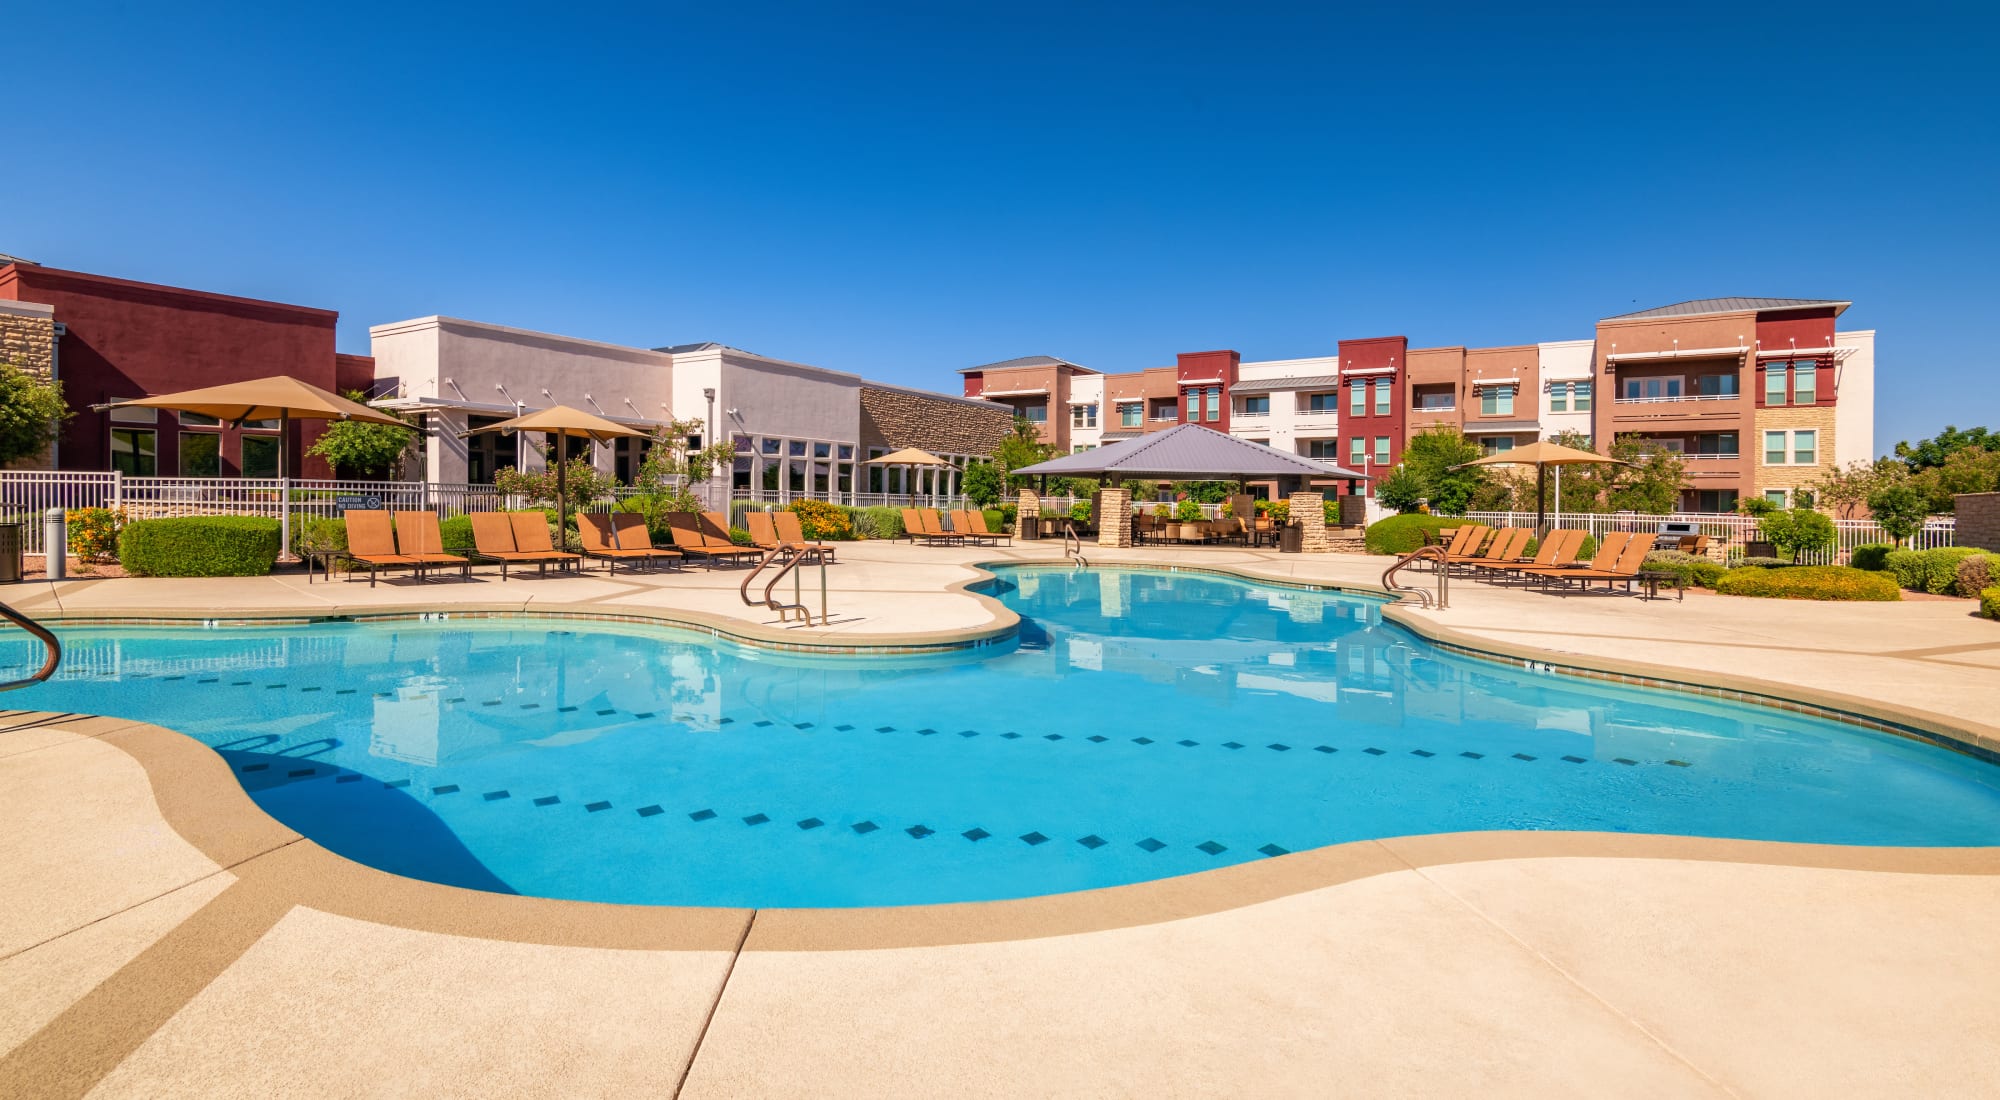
column 1934, row 570
column 1809, row 582
column 879, row 522
column 1692, row 569
column 1404, row 533
column 1989, row 603
column 1872, row 556
column 199, row 546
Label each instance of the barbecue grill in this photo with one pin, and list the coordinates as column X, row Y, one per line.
column 1672, row 532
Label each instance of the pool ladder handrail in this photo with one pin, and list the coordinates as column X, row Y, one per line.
column 50, row 644
column 1076, row 555
column 1434, row 554
column 789, row 557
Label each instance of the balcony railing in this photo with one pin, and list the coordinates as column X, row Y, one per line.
column 1682, row 397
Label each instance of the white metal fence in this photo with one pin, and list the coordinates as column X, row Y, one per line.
column 1728, row 531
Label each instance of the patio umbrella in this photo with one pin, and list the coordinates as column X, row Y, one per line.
column 910, row 456
column 279, row 398
column 1543, row 454
column 563, row 422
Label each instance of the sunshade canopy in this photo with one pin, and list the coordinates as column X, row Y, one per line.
column 1544, row 453
column 1188, row 452
column 909, row 456
column 262, row 399
column 564, row 421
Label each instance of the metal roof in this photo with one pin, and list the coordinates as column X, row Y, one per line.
column 1274, row 385
column 1188, row 452
column 1027, row 361
column 1699, row 306
column 706, row 345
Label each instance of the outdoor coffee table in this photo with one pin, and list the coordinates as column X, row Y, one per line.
column 1654, row 578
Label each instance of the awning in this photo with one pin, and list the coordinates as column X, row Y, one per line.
column 1835, row 354
column 1685, row 353
column 1276, row 385
column 1042, row 391
column 1352, row 372
column 1501, row 427
column 1496, row 383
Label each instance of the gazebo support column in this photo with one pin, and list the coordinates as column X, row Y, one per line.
column 1114, row 517
column 1030, row 507
column 1309, row 512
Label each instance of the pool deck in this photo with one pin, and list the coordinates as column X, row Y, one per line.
column 159, row 936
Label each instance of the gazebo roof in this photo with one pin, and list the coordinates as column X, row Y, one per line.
column 1188, row 452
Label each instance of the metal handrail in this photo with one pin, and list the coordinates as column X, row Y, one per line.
column 49, row 643
column 1435, row 554
column 789, row 556
column 1070, row 536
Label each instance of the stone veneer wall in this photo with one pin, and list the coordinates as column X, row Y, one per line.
column 1309, row 512
column 1114, row 517
column 894, row 418
column 1030, row 505
column 1764, row 477
column 1978, row 520
column 28, row 341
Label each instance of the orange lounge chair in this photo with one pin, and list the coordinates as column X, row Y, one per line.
column 1608, row 552
column 690, row 541
column 1625, row 569
column 934, row 528
column 978, row 527
column 1559, row 549
column 916, row 526
column 418, row 536
column 1505, row 544
column 599, row 540
column 792, row 531
column 629, row 532
column 493, row 540
column 531, row 536
column 1467, row 540
column 763, row 533
column 372, row 542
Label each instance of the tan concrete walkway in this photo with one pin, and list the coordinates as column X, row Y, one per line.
column 160, row 937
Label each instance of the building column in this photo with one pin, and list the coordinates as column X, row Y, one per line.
column 1114, row 521
column 1309, row 512
column 445, row 453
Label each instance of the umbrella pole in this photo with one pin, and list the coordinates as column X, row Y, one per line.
column 1559, row 498
column 562, row 497
column 284, row 486
column 1541, row 498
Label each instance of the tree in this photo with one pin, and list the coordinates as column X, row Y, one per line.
column 1755, row 507
column 671, row 469
column 1926, row 454
column 31, row 410
column 1431, row 456
column 1207, row 492
column 1967, row 470
column 982, row 484
column 1583, row 486
column 363, row 451
column 1899, row 509
column 582, row 484
column 1846, row 490
column 1021, row 447
column 1652, row 481
column 1797, row 530
column 1402, row 490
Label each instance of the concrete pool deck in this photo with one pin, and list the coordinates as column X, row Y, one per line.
column 159, row 936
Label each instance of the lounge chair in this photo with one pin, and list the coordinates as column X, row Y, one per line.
column 493, row 540
column 531, row 536
column 961, row 524
column 792, row 531
column 976, row 521
column 372, row 542
column 1501, row 547
column 1625, row 569
column 630, row 533
column 690, row 541
column 1608, row 553
column 1466, row 539
column 1693, row 544
column 763, row 533
column 934, row 528
column 1558, row 549
column 600, row 540
column 418, row 536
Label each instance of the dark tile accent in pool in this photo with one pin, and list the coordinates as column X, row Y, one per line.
column 239, row 683
column 1052, row 737
column 885, row 729
column 301, row 690
column 1152, row 845
column 1680, row 764
column 297, row 773
column 1325, row 749
column 1097, row 738
column 209, row 680
column 925, row 732
column 1142, row 740
column 565, row 710
column 1211, row 847
column 538, row 706
column 651, row 811
column 492, row 702
column 644, row 714
column 1092, row 842
column 448, row 788
column 273, row 687
column 864, row 827
column 495, row 796
column 1623, row 760
column 1187, row 744
column 1010, row 735
column 1469, row 755
column 1576, row 759
column 1276, row 746
column 547, row 800
column 756, row 819
column 1522, row 756
column 255, row 767
column 1274, row 850
column 920, row 831
column 975, row 834
column 396, row 784
column 1375, row 752
column 595, row 807
column 1232, row 744
column 802, row 725
column 350, row 777
column 968, row 733
column 724, row 721
column 458, row 699
column 342, row 691
column 1425, row 753
column 811, row 823
column 702, row 815
column 1033, row 839
column 843, row 729
column 763, row 723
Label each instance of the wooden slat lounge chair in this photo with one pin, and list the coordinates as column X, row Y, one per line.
column 961, row 524
column 977, row 521
column 715, row 530
column 600, row 541
column 792, row 531
column 690, row 541
column 418, row 536
column 372, row 542
column 1558, row 549
column 934, row 528
column 1608, row 551
column 493, row 540
column 1625, row 569
column 1693, row 544
column 629, row 532
column 531, row 536
column 1499, row 548
column 1467, row 538
column 931, row 532
column 763, row 533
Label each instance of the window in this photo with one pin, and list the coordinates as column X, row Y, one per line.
column 1381, row 450
column 201, row 454
column 1580, row 395
column 1327, row 403
column 1257, row 406
column 1328, row 449
column 1652, row 389
column 1494, row 444
column 1716, row 443
column 1774, row 448
column 260, row 455
column 1775, row 379
column 1805, row 383
column 822, row 450
column 1036, row 414
column 1716, row 385
column 875, row 473
column 1214, row 403
column 1712, row 500
column 1443, row 400
column 1083, row 416
column 135, row 451
column 488, row 452
column 1357, row 451
column 1357, row 404
column 1165, row 409
column 134, row 416
column 1776, row 497
column 1805, row 448
column 196, row 420
column 1382, row 396
column 1496, row 401
column 1559, row 397
column 1193, row 401
column 846, row 452
column 1130, row 413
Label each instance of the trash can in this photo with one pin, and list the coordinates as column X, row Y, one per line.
column 13, row 543
column 1031, row 527
column 1291, row 539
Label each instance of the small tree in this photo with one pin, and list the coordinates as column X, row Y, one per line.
column 1755, row 507
column 1438, row 456
column 361, row 450
column 1402, row 490
column 1846, row 490
column 1899, row 510
column 1021, row 447
column 982, row 484
column 582, row 484
column 1651, row 483
column 31, row 411
column 671, row 469
column 1798, row 530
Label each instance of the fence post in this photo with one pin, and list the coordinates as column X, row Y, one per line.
column 55, row 544
column 117, row 489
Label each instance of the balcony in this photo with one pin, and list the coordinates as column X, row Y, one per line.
column 1680, row 398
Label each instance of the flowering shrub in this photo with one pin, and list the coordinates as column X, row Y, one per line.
column 93, row 532
column 1187, row 511
column 820, row 520
column 1809, row 582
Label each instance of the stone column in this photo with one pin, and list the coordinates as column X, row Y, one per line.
column 1309, row 512
column 1030, row 505
column 1114, row 521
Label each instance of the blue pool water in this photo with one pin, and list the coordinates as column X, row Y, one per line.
column 1143, row 725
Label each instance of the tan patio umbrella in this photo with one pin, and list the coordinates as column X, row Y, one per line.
column 1543, row 454
column 279, row 398
column 910, row 456
column 563, row 422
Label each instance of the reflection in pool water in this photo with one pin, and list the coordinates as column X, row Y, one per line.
column 1142, row 725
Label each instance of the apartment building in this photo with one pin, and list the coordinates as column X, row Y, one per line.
column 1761, row 395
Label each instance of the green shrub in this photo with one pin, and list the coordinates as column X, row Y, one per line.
column 324, row 534
column 1692, row 569
column 1008, row 511
column 1079, row 511
column 1809, row 582
column 1975, row 574
column 820, row 520
column 199, row 546
column 454, row 531
column 1989, row 603
column 1187, row 511
column 1871, row 556
column 879, row 522
column 996, row 519
column 1934, row 570
column 741, row 537
column 1404, row 533
column 1761, row 562
column 1800, row 530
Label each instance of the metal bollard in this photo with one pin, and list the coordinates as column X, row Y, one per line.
column 55, row 544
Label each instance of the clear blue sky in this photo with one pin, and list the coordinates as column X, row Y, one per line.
column 906, row 190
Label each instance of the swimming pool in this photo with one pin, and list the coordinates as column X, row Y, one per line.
column 1142, row 725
